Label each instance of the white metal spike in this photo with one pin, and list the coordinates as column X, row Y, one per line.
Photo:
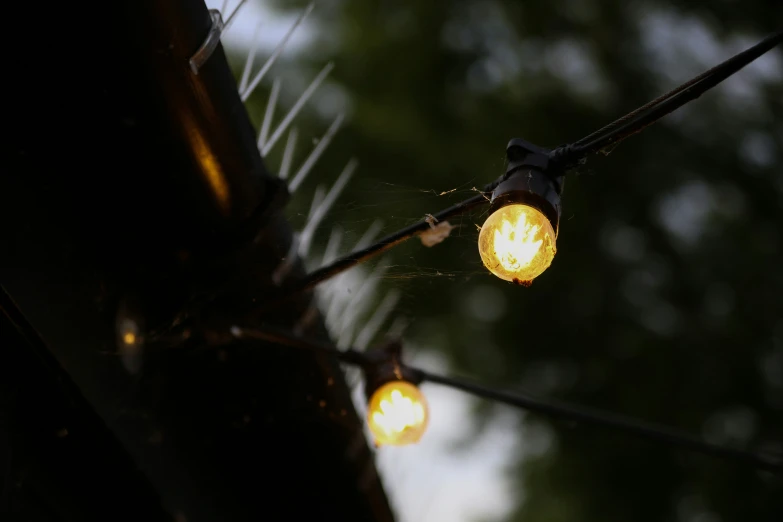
column 307, row 230
column 297, row 107
column 335, row 307
column 369, row 235
column 380, row 315
column 335, row 299
column 348, row 320
column 339, row 301
column 316, row 153
column 318, row 198
column 333, row 245
column 288, row 154
column 304, row 246
column 301, row 241
column 397, row 329
column 353, row 378
column 250, row 57
column 356, row 304
column 245, row 94
column 269, row 114
column 330, row 287
column 334, row 192
column 326, row 205
column 325, row 295
column 288, row 261
column 233, row 15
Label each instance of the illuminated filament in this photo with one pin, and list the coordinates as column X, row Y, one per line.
column 517, row 243
column 397, row 414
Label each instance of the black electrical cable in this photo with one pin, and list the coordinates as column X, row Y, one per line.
column 354, row 258
column 559, row 410
column 604, row 419
column 653, row 111
column 565, row 156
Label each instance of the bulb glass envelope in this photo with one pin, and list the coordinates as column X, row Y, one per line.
column 518, row 240
column 397, row 414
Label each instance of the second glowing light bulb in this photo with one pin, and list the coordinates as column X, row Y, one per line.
column 397, row 414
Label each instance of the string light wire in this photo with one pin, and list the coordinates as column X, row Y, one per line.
column 639, row 119
column 565, row 156
column 553, row 409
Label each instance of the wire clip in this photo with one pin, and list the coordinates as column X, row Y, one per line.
column 210, row 42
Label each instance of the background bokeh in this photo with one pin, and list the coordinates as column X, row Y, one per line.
column 665, row 299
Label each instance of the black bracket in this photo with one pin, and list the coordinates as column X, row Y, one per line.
column 384, row 364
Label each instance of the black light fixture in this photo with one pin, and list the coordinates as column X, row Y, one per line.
column 397, row 412
column 518, row 240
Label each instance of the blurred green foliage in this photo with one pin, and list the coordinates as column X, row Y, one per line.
column 665, row 300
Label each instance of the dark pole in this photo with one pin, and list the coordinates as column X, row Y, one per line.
column 132, row 183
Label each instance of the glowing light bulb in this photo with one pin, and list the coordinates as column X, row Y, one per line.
column 397, row 414
column 129, row 338
column 517, row 243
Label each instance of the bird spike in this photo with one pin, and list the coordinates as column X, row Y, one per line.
column 268, row 115
column 316, row 153
column 288, row 154
column 330, row 198
column 368, row 237
column 233, row 14
column 306, row 95
column 356, row 305
column 245, row 94
column 377, row 319
column 250, row 57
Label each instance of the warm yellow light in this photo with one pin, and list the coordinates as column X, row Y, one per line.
column 397, row 414
column 517, row 243
column 129, row 338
